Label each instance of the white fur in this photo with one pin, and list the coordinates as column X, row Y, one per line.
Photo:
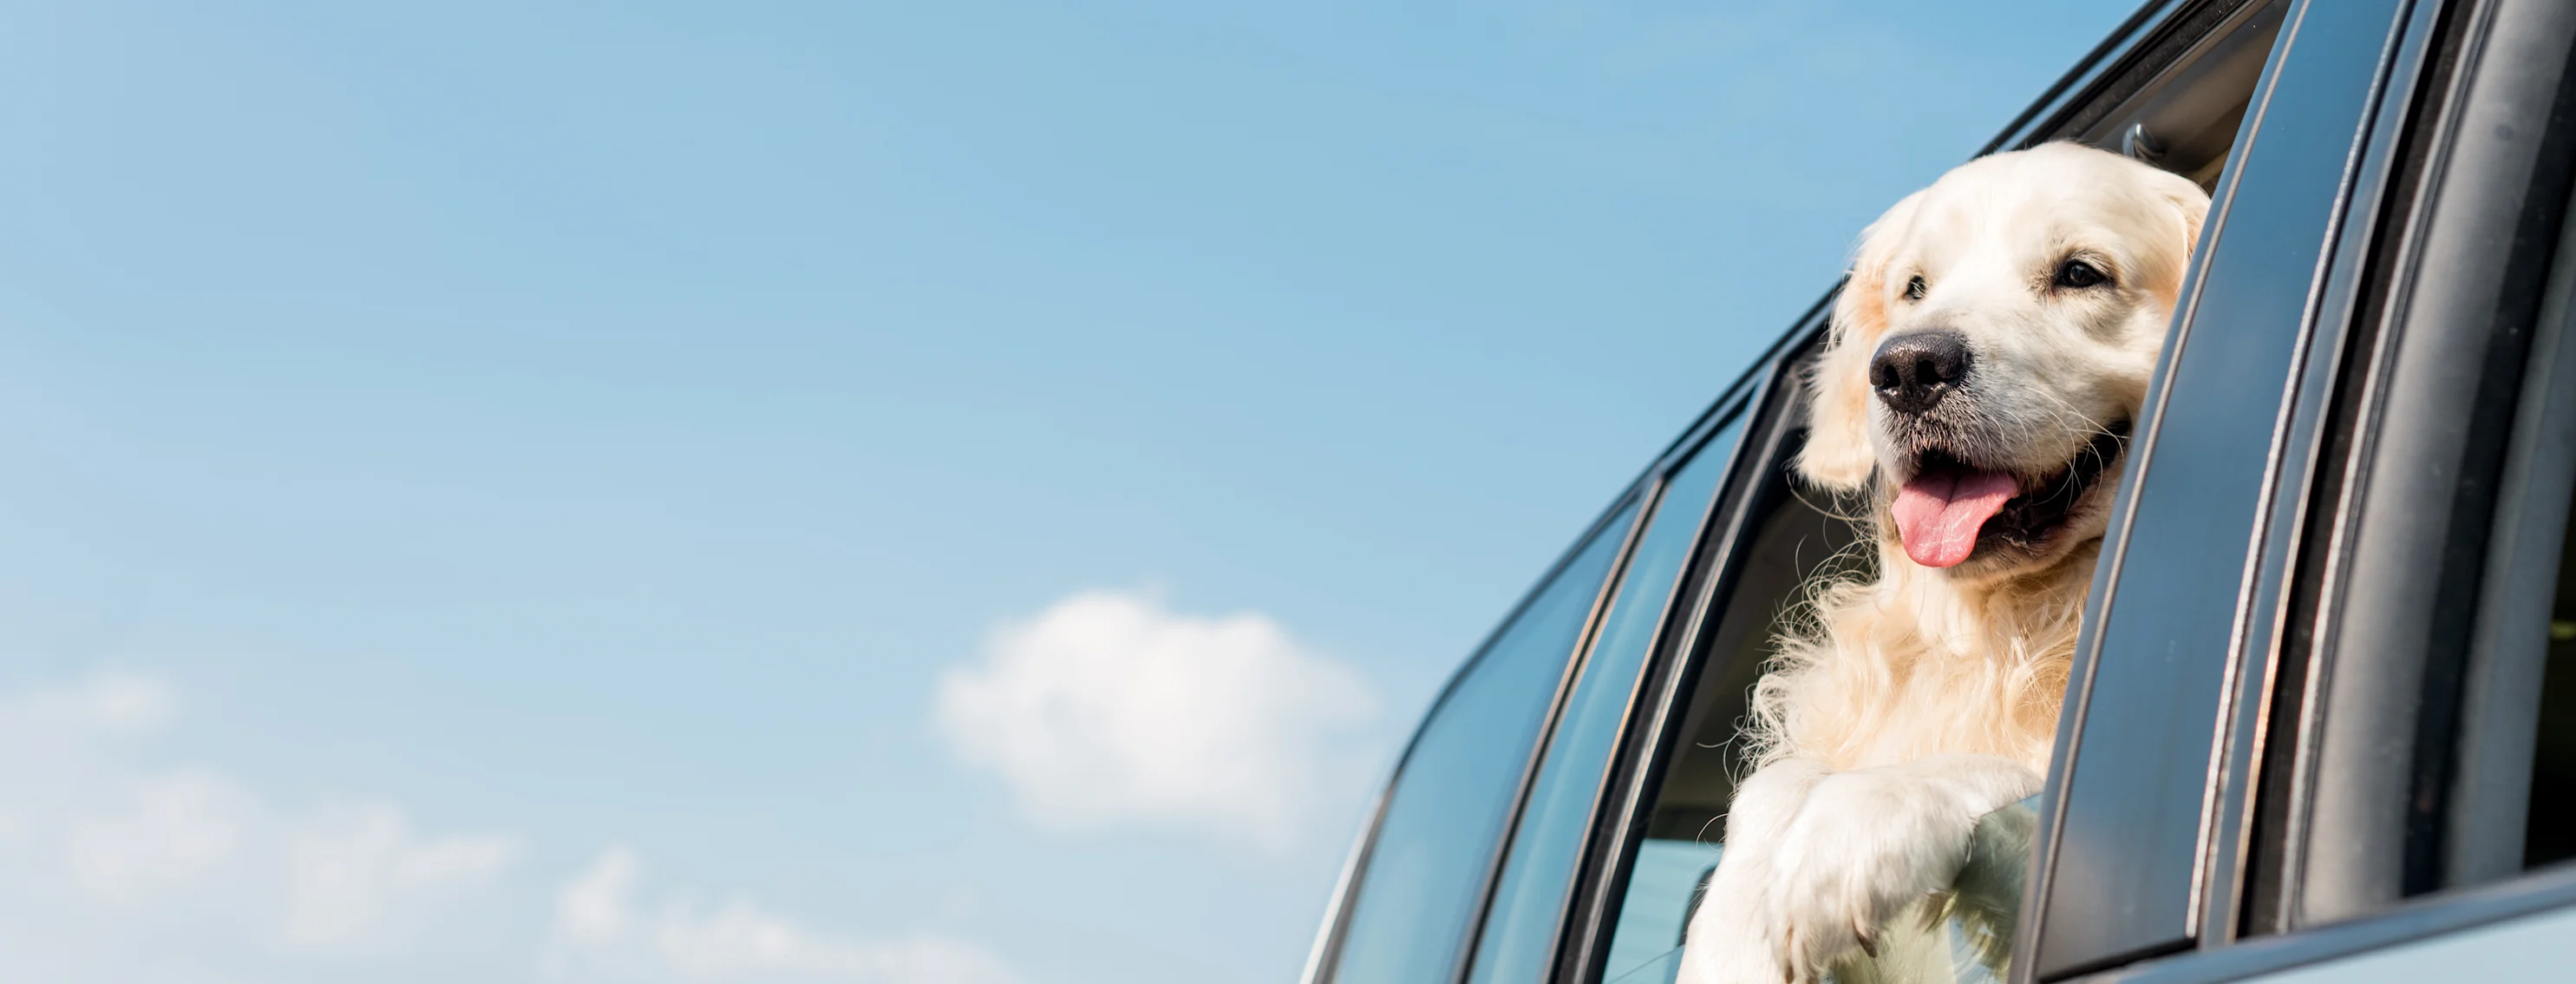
column 1911, row 705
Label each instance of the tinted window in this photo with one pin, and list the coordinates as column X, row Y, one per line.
column 1426, row 872
column 1529, row 903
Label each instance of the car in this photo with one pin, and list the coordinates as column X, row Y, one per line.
column 2321, row 723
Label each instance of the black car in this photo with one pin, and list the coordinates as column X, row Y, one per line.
column 2322, row 723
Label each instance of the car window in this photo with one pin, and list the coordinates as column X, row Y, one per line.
column 1426, row 871
column 1671, row 864
column 1529, row 901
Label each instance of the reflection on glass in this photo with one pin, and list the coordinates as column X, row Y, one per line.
column 1963, row 936
column 1529, row 903
column 1426, row 871
column 1669, row 876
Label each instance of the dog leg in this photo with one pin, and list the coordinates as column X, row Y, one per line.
column 1728, row 938
column 1823, row 860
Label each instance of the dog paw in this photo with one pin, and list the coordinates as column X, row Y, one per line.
column 1865, row 847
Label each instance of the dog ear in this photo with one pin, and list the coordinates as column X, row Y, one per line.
column 2191, row 205
column 1837, row 455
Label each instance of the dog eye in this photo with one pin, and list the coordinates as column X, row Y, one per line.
column 1914, row 288
column 2079, row 274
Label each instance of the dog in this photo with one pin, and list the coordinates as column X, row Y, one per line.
column 1983, row 367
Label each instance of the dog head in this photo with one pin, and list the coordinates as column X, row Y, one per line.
column 1992, row 348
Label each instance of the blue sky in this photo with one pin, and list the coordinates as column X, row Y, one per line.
column 694, row 492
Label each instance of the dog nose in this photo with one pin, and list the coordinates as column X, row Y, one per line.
column 1913, row 371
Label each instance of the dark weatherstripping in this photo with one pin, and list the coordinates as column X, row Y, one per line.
column 1425, row 875
column 1529, row 902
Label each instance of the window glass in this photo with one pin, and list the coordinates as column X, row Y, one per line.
column 1529, row 901
column 1680, row 849
column 1426, row 871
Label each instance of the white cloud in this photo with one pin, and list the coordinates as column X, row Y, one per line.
column 599, row 935
column 116, row 867
column 1106, row 707
column 356, row 874
column 157, row 837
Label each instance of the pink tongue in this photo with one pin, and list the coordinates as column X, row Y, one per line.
column 1939, row 515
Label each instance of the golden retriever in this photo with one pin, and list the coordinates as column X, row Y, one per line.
column 1984, row 365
